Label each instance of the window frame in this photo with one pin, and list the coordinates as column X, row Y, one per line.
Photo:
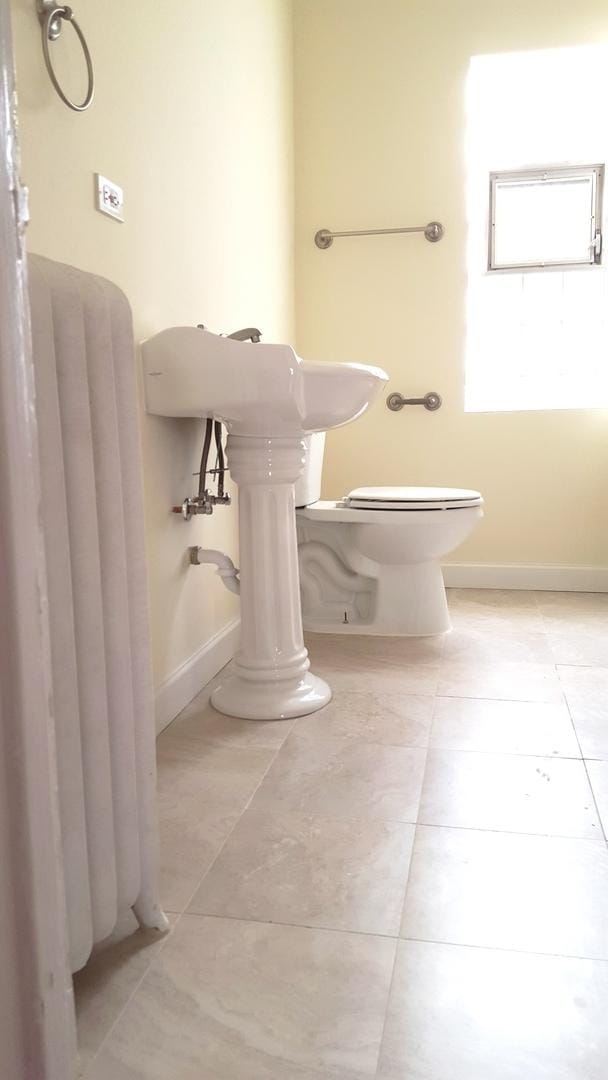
column 596, row 172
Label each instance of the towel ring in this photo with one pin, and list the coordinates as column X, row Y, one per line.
column 50, row 15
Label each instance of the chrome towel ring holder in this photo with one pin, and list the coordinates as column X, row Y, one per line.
column 51, row 16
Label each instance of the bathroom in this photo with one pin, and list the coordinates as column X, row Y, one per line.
column 408, row 882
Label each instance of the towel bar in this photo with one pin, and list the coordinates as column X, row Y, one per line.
column 433, row 232
column 431, row 401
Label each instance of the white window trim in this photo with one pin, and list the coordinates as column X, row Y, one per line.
column 596, row 172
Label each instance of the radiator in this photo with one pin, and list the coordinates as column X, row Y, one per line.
column 92, row 515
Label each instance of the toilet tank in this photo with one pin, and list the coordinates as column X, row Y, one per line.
column 308, row 487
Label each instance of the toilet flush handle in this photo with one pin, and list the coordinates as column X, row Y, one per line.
column 431, row 401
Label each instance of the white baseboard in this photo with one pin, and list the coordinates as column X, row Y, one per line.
column 541, row 578
column 188, row 680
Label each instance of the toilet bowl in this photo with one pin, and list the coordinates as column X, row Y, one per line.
column 371, row 563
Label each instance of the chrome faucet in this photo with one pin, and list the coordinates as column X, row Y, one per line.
column 249, row 334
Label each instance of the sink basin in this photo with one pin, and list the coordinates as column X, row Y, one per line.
column 256, row 389
column 269, row 399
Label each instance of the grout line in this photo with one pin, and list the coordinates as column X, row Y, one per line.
column 405, row 891
column 584, row 761
column 389, row 994
column 293, row 925
column 391, row 984
column 349, row 740
column 509, row 700
column 508, row 753
column 504, row 949
column 236, row 821
column 422, row 824
column 513, row 832
column 119, row 1015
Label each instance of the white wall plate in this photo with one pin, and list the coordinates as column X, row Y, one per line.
column 109, row 197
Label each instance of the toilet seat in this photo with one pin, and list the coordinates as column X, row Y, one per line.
column 411, row 498
column 380, row 514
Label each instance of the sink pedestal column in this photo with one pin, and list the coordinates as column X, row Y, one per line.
column 270, row 677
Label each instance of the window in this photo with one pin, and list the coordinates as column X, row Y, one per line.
column 545, row 218
column 537, row 282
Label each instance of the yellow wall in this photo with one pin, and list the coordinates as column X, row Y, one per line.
column 193, row 117
column 380, row 126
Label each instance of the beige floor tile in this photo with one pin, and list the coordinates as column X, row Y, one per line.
column 498, row 610
column 415, row 679
column 571, row 601
column 510, row 682
column 104, row 986
column 591, row 681
column 477, row 1014
column 573, row 612
column 598, row 775
column 374, row 652
column 202, row 792
column 231, row 1000
column 579, row 648
column 327, row 843
column 344, row 779
column 549, row 796
column 507, row 600
column 502, row 890
column 506, row 727
column 310, row 871
column 476, row 643
column 202, row 722
column 376, row 664
column 390, row 719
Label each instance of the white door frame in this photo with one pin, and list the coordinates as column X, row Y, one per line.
column 37, row 1028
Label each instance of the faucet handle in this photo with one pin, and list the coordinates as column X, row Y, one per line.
column 250, row 333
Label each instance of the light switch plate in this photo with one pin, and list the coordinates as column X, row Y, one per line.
column 109, row 197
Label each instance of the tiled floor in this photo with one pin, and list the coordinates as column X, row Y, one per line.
column 411, row 884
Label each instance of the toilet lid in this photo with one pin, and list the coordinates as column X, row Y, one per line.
column 412, row 498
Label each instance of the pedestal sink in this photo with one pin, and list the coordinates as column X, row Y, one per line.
column 268, row 399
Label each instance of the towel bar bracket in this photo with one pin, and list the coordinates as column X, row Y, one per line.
column 43, row 7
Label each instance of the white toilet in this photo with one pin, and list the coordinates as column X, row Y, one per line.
column 371, row 562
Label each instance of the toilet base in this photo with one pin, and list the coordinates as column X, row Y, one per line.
column 409, row 601
column 279, row 700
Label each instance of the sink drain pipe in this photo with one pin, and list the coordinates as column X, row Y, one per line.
column 225, row 566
